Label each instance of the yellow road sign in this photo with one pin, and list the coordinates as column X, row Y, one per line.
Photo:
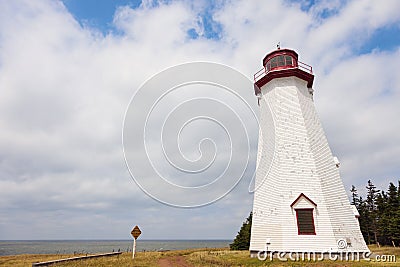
column 136, row 232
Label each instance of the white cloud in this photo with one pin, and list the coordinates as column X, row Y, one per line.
column 360, row 113
column 64, row 91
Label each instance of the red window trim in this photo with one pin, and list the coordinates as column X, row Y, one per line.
column 297, row 220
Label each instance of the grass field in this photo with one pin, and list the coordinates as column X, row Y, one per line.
column 195, row 257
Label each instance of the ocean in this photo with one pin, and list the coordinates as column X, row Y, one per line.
column 101, row 246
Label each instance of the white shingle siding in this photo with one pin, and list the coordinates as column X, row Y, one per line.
column 302, row 163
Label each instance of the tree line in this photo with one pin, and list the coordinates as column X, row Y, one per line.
column 379, row 217
column 379, row 214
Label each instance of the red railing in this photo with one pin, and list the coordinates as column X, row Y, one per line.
column 262, row 72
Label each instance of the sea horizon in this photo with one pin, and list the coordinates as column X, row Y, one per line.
column 92, row 246
column 117, row 239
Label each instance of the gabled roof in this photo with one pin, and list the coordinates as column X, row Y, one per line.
column 300, row 196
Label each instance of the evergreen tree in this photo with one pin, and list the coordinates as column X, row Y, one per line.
column 242, row 240
column 379, row 214
column 382, row 219
column 393, row 214
column 372, row 210
column 393, row 199
column 364, row 220
column 354, row 196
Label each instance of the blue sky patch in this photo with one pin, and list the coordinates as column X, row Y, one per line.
column 304, row 5
column 192, row 33
column 212, row 29
column 383, row 39
column 95, row 13
column 99, row 14
column 321, row 12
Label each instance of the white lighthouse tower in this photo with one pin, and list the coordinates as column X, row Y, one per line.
column 300, row 203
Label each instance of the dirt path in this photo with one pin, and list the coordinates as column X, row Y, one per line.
column 174, row 261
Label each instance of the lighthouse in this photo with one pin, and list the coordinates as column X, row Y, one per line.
column 300, row 203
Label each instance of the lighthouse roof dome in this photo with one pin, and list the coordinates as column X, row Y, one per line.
column 279, row 64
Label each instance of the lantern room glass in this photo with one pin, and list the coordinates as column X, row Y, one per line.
column 279, row 62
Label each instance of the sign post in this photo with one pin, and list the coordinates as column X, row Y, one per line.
column 135, row 233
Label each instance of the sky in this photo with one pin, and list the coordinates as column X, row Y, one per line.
column 68, row 70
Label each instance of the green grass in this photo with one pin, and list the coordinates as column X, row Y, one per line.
column 241, row 258
column 125, row 259
column 196, row 257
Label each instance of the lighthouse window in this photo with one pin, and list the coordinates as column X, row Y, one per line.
column 274, row 63
column 289, row 60
column 281, row 61
column 305, row 221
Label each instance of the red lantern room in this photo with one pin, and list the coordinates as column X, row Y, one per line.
column 282, row 63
